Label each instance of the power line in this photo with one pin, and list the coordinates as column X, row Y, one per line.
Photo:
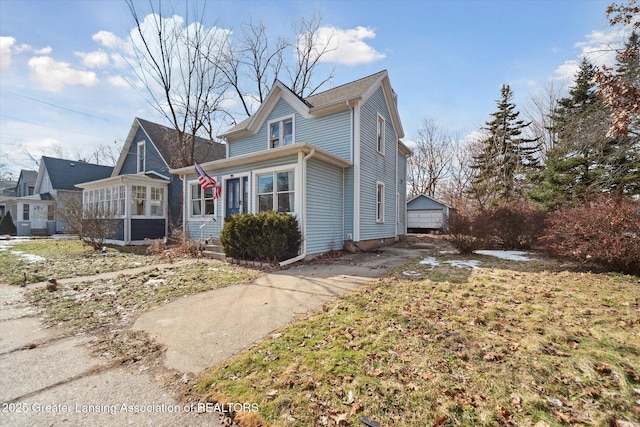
column 51, row 127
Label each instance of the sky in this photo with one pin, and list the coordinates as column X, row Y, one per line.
column 65, row 90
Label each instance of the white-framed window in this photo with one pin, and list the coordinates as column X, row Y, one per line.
column 156, row 203
column 380, row 135
column 276, row 191
column 202, row 202
column 141, row 157
column 138, row 200
column 25, row 212
column 379, row 201
column 281, row 132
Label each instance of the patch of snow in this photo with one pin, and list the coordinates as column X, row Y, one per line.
column 508, row 255
column 448, row 252
column 430, row 261
column 29, row 257
column 411, row 273
column 464, row 263
column 154, row 281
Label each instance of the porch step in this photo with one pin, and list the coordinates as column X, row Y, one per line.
column 214, row 251
column 39, row 232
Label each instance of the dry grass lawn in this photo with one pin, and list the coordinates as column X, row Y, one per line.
column 509, row 343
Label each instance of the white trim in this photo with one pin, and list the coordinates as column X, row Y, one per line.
column 291, row 167
column 378, row 185
column 356, row 172
column 223, row 196
column 203, row 217
column 280, row 121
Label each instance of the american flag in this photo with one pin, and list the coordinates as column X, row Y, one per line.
column 206, row 182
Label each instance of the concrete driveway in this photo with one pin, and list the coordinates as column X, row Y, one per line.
column 205, row 329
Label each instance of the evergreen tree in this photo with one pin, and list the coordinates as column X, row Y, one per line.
column 586, row 160
column 505, row 157
column 6, row 225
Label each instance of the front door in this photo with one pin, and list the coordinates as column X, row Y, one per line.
column 236, row 196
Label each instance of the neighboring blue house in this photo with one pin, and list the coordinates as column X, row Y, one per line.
column 141, row 194
column 334, row 160
column 34, row 209
column 426, row 214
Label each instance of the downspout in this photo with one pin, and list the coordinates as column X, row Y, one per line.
column 185, row 202
column 303, row 190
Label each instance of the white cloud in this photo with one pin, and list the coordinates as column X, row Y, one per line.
column 95, row 59
column 346, row 46
column 567, row 71
column 107, row 39
column 53, row 75
column 5, row 52
column 44, row 51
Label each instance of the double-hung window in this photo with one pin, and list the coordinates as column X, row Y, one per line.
column 141, row 157
column 138, row 199
column 202, row 201
column 380, row 135
column 157, row 201
column 281, row 132
column 380, row 202
column 276, row 191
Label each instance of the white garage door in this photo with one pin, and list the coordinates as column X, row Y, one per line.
column 428, row 218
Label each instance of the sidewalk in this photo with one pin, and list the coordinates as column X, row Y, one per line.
column 47, row 376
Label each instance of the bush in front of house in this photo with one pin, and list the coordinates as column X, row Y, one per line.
column 265, row 236
column 6, row 225
column 463, row 234
column 605, row 231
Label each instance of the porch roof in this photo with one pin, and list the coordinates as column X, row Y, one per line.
column 287, row 150
column 123, row 179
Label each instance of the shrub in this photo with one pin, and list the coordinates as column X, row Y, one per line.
column 515, row 225
column 605, row 231
column 266, row 236
column 6, row 225
column 462, row 233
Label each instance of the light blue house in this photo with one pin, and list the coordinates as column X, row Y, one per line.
column 334, row 160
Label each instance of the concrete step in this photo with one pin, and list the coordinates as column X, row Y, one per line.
column 214, row 251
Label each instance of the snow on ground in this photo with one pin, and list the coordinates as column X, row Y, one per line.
column 508, row 255
column 431, row 261
column 29, row 257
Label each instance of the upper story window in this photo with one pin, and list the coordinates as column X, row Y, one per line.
column 281, row 132
column 380, row 135
column 141, row 157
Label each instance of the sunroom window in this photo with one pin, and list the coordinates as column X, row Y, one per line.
column 157, row 201
column 279, row 197
column 138, row 199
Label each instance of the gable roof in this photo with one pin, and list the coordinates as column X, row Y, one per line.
column 335, row 99
column 162, row 137
column 65, row 174
column 410, row 201
column 28, row 176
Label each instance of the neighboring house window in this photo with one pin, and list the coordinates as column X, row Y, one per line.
column 380, row 202
column 202, row 201
column 138, row 199
column 51, row 213
column 380, row 136
column 279, row 198
column 281, row 133
column 25, row 212
column 141, row 156
column 31, row 191
column 157, row 201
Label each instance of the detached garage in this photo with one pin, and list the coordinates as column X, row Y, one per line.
column 426, row 214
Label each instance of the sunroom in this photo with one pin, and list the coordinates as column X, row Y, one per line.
column 136, row 203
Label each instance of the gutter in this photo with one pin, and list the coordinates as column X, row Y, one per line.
column 304, row 211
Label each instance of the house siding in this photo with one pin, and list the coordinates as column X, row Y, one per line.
column 331, row 132
column 324, row 207
column 142, row 229
column 377, row 168
column 213, row 228
column 402, row 192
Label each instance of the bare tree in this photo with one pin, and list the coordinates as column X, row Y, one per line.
column 92, row 224
column 540, row 112
column 309, row 50
column 454, row 189
column 431, row 159
column 257, row 59
column 179, row 67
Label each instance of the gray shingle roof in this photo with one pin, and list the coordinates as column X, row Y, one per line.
column 65, row 174
column 29, row 177
column 204, row 151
